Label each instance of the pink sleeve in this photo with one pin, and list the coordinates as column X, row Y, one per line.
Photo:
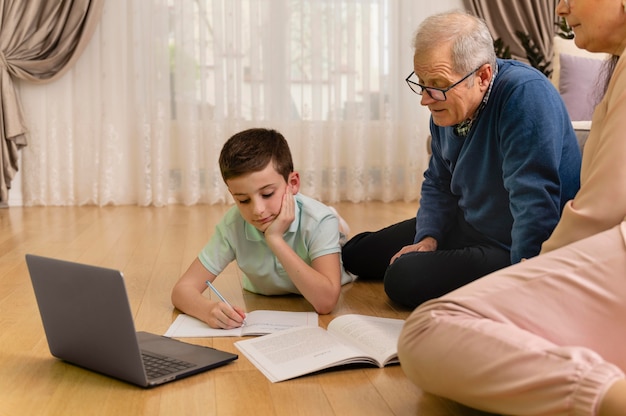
column 601, row 202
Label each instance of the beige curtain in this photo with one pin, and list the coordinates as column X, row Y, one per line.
column 537, row 18
column 142, row 115
column 39, row 41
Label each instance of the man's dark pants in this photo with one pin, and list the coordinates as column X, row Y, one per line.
column 416, row 277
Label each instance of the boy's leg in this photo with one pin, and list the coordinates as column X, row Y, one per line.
column 367, row 254
column 417, row 277
column 344, row 228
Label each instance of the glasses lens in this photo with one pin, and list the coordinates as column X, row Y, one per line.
column 416, row 88
column 436, row 94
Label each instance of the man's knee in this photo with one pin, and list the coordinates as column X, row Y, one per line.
column 417, row 277
column 352, row 254
column 401, row 281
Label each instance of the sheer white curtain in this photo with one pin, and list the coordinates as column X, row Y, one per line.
column 143, row 115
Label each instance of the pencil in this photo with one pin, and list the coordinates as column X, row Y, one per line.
column 222, row 298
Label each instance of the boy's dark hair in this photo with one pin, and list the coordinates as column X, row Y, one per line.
column 251, row 150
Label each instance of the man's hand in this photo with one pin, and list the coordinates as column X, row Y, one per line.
column 427, row 244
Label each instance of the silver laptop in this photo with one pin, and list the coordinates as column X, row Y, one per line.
column 88, row 322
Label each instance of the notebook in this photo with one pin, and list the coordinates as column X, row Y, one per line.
column 88, row 322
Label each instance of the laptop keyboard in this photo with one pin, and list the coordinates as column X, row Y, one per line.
column 158, row 366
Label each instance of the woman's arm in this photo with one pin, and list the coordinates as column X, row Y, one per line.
column 601, row 201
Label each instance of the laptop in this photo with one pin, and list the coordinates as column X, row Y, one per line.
column 88, row 322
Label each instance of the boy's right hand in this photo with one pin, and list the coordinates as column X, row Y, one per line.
column 284, row 218
column 224, row 316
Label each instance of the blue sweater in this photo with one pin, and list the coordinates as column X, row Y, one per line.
column 512, row 174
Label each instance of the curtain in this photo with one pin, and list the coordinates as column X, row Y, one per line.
column 142, row 116
column 39, row 41
column 537, row 18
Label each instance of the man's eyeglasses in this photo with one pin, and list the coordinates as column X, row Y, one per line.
column 438, row 94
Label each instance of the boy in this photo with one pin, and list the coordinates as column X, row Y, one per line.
column 283, row 242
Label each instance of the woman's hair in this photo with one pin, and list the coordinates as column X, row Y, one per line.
column 252, row 150
column 472, row 44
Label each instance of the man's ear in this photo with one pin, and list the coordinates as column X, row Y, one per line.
column 294, row 182
column 485, row 73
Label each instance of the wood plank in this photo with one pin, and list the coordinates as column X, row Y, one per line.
column 153, row 247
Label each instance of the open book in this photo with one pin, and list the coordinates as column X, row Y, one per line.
column 349, row 339
column 257, row 323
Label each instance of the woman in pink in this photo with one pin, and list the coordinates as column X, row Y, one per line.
column 548, row 335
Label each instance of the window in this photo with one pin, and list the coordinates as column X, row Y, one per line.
column 291, row 59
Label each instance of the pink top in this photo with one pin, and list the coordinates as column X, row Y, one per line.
column 600, row 203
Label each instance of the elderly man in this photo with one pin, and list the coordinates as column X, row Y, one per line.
column 504, row 161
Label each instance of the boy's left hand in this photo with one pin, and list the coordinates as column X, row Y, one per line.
column 285, row 217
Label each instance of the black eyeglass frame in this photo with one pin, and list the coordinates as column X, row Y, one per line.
column 430, row 90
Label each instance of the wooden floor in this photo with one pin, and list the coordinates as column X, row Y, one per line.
column 153, row 246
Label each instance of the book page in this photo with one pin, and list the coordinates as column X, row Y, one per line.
column 376, row 336
column 257, row 323
column 267, row 322
column 298, row 351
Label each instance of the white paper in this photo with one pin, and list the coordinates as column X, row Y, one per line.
column 257, row 323
column 299, row 351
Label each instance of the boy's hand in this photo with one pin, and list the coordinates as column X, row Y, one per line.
column 285, row 217
column 224, row 316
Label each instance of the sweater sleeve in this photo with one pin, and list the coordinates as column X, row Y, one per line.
column 601, row 201
column 533, row 144
column 438, row 204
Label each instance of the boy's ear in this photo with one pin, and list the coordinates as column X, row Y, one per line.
column 294, row 182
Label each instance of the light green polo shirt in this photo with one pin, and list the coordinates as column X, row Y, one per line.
column 313, row 233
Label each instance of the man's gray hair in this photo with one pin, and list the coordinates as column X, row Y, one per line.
column 472, row 43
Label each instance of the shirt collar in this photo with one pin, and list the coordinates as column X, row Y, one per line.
column 462, row 129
